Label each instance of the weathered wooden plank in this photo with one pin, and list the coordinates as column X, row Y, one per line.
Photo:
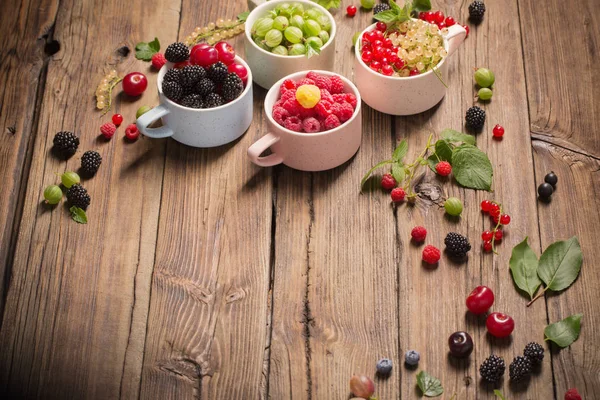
column 26, row 27
column 75, row 317
column 207, row 328
column 560, row 46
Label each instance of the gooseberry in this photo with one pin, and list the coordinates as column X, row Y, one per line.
column 485, row 94
column 484, row 77
column 69, row 179
column 53, row 194
column 453, row 206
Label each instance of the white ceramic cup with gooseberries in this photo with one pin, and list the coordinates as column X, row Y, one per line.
column 405, row 95
column 199, row 127
column 268, row 67
column 308, row 151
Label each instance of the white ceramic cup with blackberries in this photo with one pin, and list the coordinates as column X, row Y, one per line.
column 199, row 127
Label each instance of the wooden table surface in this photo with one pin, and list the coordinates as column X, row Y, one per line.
column 201, row 275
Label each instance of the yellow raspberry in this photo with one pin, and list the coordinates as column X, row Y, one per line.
column 308, row 95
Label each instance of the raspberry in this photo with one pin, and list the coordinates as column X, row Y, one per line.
column 350, row 98
column 132, row 132
column 443, row 168
column 572, row 394
column 293, row 107
column 332, row 122
column 343, row 111
column 323, row 108
column 339, row 97
column 293, row 123
column 158, row 60
column 305, row 81
column 311, row 125
column 337, row 85
column 287, row 85
column 431, row 254
column 108, row 130
column 288, row 94
column 280, row 114
column 398, row 195
column 418, row 233
column 312, row 75
column 323, row 82
column 388, row 182
column 278, row 104
column 326, row 95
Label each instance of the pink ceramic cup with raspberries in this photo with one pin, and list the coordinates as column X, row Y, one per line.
column 321, row 137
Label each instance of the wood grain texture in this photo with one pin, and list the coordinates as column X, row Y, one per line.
column 207, row 328
column 560, row 46
column 27, row 27
column 74, row 324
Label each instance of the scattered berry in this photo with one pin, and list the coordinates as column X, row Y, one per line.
column 134, row 83
column 457, row 245
column 443, row 168
column 78, row 196
column 69, row 179
column 381, row 7
column 388, row 182
column 418, row 233
column 492, row 369
column 398, row 195
column 460, row 344
column 384, row 367
column 177, row 52
column 476, row 11
column 551, row 178
column 572, row 394
column 505, row 219
column 480, row 300
column 484, row 77
column 498, row 131
column 90, row 162
column 431, row 254
column 453, row 206
column 519, row 369
column 535, row 352
column 362, row 386
column 499, row 325
column 545, row 190
column 132, row 132
column 117, row 119
column 108, row 130
column 485, row 206
column 53, row 194
column 141, row 111
column 65, row 143
column 351, row 11
column 475, row 118
column 158, row 60
column 412, row 358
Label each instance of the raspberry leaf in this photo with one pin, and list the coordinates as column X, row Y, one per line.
column 243, row 16
column 400, row 151
column 328, row 3
column 472, row 168
column 145, row 51
column 398, row 172
column 523, row 268
column 560, row 264
column 78, row 215
column 453, row 136
column 387, row 16
column 565, row 332
column 499, row 394
column 430, row 386
column 421, row 5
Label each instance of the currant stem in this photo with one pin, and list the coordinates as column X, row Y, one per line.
column 109, row 96
column 498, row 224
column 203, row 36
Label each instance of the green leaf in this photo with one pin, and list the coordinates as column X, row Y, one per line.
column 430, row 386
column 421, row 5
column 395, row 7
column 400, row 151
column 471, row 167
column 378, row 165
column 328, row 3
column 499, row 394
column 443, row 150
column 312, row 49
column 564, row 332
column 387, row 16
column 78, row 215
column 145, row 51
column 560, row 264
column 398, row 172
column 243, row 16
column 355, row 38
column 455, row 136
column 523, row 268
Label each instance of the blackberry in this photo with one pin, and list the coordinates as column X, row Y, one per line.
column 380, row 8
column 65, row 143
column 232, row 86
column 204, row 87
column 218, row 72
column 190, row 75
column 476, row 11
column 172, row 90
column 213, row 100
column 535, row 352
column 90, row 162
column 457, row 245
column 519, row 369
column 193, row 100
column 475, row 118
column 172, row 75
column 492, row 369
column 78, row 196
column 177, row 52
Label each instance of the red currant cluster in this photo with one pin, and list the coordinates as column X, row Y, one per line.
column 379, row 53
column 496, row 214
column 438, row 18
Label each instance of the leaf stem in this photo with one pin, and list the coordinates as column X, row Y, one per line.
column 540, row 294
column 114, row 83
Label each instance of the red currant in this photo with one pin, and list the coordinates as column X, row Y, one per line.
column 441, row 25
column 384, row 61
column 466, row 29
column 370, row 36
column 480, row 300
column 393, row 58
column 375, row 66
column 134, row 83
column 498, row 131
column 498, row 234
column 486, row 235
column 450, row 21
column 505, row 219
column 378, row 35
column 485, row 206
column 399, row 64
column 414, row 72
column 205, row 56
column 381, row 26
column 117, row 119
column 351, row 11
column 499, row 325
column 494, row 209
column 429, row 17
column 225, row 52
column 439, row 17
column 422, row 15
column 367, row 57
column 387, row 70
column 487, row 246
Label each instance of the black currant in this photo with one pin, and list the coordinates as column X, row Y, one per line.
column 545, row 190
column 551, row 178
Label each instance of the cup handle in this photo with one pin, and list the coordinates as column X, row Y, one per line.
column 260, row 146
column 148, row 118
column 456, row 35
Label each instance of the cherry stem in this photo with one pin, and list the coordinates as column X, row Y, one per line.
column 540, row 294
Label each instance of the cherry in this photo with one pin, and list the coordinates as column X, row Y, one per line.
column 505, row 219
column 226, row 53
column 367, row 56
column 487, row 246
column 381, row 26
column 461, row 344
column 198, row 47
column 351, row 11
column 487, row 235
column 182, row 64
column 205, row 56
column 134, row 83
column 387, row 70
column 240, row 70
column 481, row 298
column 438, row 17
column 498, row 131
column 362, row 386
column 499, row 325
column 466, row 29
column 485, row 206
column 450, row 21
column 498, row 234
column 117, row 119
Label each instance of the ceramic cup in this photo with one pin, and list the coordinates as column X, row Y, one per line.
column 268, row 68
column 195, row 127
column 409, row 95
column 308, row 151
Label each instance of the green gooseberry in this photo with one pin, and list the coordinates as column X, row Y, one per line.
column 453, row 206
column 262, row 26
column 53, row 194
column 261, row 43
column 141, row 111
column 69, row 179
column 297, row 50
column 484, row 77
column 285, row 9
column 281, row 50
column 313, row 13
column 273, row 38
column 325, row 23
column 293, row 34
column 312, row 28
column 367, row 4
column 280, row 23
column 297, row 9
column 324, row 36
column 297, row 21
column 318, row 43
column 485, row 94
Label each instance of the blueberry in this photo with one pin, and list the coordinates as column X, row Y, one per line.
column 384, row 366
column 412, row 357
column 545, row 190
column 551, row 178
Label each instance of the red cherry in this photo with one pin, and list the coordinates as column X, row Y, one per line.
column 134, row 83
column 486, row 235
column 499, row 325
column 498, row 131
column 480, row 300
column 182, row 64
column 487, row 246
column 438, row 17
column 485, row 206
column 381, row 26
column 450, row 21
column 367, row 56
column 498, row 234
column 198, row 47
column 375, row 66
column 505, row 219
column 351, row 11
column 205, row 56
column 387, row 70
column 117, row 119
column 226, row 52
column 240, row 70
column 466, row 29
